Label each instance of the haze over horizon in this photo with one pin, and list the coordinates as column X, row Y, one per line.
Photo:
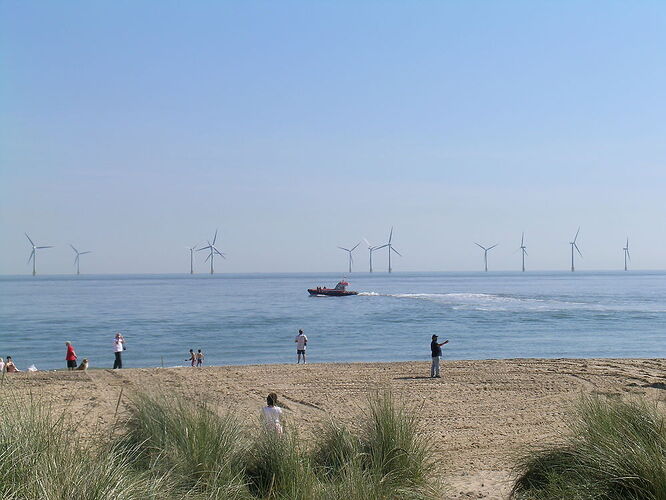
column 135, row 129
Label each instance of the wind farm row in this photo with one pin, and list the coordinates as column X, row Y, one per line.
column 212, row 250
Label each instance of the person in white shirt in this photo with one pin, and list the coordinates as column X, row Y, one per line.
column 118, row 347
column 272, row 414
column 301, row 342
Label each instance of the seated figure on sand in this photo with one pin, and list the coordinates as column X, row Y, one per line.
column 272, row 414
column 83, row 365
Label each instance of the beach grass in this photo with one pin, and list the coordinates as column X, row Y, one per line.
column 42, row 457
column 616, row 450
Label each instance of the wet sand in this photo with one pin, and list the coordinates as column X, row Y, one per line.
column 479, row 414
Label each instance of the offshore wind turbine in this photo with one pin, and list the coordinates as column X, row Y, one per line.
column 192, row 249
column 390, row 249
column 33, row 254
column 573, row 245
column 371, row 249
column 351, row 259
column 77, row 258
column 626, row 254
column 523, row 248
column 213, row 251
column 485, row 254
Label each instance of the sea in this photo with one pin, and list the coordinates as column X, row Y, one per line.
column 239, row 319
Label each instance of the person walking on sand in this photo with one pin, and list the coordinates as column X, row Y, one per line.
column 272, row 414
column 200, row 358
column 70, row 357
column 193, row 358
column 118, row 348
column 436, row 351
column 301, row 343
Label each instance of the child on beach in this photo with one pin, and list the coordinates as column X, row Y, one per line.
column 193, row 357
column 200, row 358
column 272, row 413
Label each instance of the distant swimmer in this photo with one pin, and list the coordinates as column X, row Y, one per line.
column 301, row 343
column 436, row 351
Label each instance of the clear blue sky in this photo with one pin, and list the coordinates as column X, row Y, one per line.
column 135, row 128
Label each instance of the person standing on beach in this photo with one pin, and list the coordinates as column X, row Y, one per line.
column 193, row 358
column 70, row 357
column 301, row 343
column 118, row 348
column 272, row 414
column 200, row 358
column 436, row 351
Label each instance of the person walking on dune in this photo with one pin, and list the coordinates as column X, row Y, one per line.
column 436, row 351
column 70, row 357
column 301, row 343
column 118, row 348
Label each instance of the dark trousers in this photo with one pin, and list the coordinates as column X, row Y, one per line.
column 118, row 363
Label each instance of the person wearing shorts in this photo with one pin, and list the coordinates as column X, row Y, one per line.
column 70, row 357
column 301, row 343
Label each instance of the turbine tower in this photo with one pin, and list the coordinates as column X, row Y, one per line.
column 372, row 249
column 351, row 259
column 485, row 254
column 626, row 254
column 192, row 249
column 77, row 258
column 33, row 254
column 523, row 248
column 573, row 245
column 213, row 251
column 390, row 249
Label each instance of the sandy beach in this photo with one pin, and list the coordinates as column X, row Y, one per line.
column 479, row 414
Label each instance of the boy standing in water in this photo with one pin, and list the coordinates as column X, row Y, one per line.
column 301, row 342
column 200, row 358
column 193, row 357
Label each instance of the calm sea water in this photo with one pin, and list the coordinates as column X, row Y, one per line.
column 241, row 319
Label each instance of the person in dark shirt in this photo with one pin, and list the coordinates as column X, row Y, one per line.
column 436, row 351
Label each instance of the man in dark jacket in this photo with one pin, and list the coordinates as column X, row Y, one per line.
column 436, row 351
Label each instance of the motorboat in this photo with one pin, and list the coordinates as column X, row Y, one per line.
column 340, row 290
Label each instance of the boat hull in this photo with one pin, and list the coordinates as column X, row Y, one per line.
column 331, row 292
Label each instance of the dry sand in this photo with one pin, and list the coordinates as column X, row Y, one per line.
column 479, row 414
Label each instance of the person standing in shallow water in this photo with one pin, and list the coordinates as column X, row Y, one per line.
column 118, row 347
column 70, row 357
column 193, row 358
column 436, row 351
column 200, row 358
column 301, row 343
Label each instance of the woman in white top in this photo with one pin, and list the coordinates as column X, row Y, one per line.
column 272, row 413
column 118, row 347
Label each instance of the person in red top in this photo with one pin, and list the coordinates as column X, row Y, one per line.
column 71, row 356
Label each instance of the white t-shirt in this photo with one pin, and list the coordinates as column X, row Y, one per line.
column 301, row 340
column 272, row 417
column 117, row 345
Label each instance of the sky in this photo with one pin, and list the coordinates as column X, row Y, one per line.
column 135, row 129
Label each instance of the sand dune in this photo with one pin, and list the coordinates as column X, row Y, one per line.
column 478, row 415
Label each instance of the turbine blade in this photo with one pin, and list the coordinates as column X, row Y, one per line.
column 390, row 234
column 73, row 248
column 354, row 247
column 32, row 254
column 76, row 259
column 45, row 247
column 577, row 249
column 479, row 246
column 215, row 237
column 493, row 246
column 576, row 234
column 628, row 255
column 525, row 251
column 367, row 243
column 26, row 235
column 209, row 256
column 396, row 251
column 87, row 251
column 343, row 248
column 381, row 246
column 522, row 240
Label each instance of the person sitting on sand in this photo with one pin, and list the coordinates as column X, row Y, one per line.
column 272, row 414
column 436, row 350
column 10, row 367
column 200, row 358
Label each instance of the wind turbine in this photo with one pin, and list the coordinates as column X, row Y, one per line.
column 390, row 249
column 573, row 245
column 523, row 248
column 626, row 254
column 351, row 259
column 213, row 251
column 372, row 249
column 192, row 249
column 33, row 254
column 485, row 253
column 76, row 259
